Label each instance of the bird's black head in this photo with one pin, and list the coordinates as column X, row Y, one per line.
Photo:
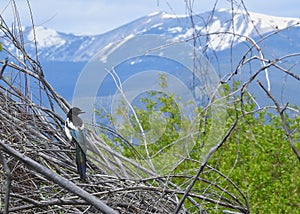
column 74, row 112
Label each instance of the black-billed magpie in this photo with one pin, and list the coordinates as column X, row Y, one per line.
column 74, row 129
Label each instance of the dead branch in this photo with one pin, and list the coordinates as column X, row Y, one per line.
column 57, row 179
column 281, row 110
column 8, row 182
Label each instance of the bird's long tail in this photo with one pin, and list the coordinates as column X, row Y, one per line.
column 80, row 162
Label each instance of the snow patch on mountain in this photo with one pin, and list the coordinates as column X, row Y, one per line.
column 172, row 16
column 175, row 29
column 46, row 37
column 218, row 30
column 223, row 29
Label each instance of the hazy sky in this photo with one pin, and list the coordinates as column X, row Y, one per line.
column 99, row 16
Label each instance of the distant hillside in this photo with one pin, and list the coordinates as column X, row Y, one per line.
column 59, row 46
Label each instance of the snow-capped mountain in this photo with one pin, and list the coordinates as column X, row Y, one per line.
column 219, row 29
column 63, row 54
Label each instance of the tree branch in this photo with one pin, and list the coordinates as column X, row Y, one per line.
column 283, row 120
column 58, row 179
column 8, row 181
column 211, row 152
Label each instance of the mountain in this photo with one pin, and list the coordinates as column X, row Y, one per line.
column 58, row 46
column 63, row 56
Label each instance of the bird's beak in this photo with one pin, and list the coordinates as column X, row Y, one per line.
column 81, row 112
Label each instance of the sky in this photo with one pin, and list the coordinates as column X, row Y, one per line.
column 99, row 16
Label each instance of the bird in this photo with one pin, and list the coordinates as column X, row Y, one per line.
column 74, row 129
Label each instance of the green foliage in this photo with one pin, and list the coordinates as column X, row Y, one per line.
column 265, row 168
column 159, row 117
column 257, row 156
column 165, row 109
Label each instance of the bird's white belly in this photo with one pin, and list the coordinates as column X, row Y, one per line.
column 68, row 132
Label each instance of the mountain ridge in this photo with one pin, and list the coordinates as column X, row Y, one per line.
column 220, row 30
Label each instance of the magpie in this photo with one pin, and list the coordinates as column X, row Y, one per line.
column 74, row 129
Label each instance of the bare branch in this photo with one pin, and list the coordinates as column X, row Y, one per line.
column 8, row 182
column 58, row 179
column 283, row 120
column 203, row 164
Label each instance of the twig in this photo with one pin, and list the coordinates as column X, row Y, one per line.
column 8, row 182
column 211, row 152
column 283, row 120
column 119, row 86
column 4, row 64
